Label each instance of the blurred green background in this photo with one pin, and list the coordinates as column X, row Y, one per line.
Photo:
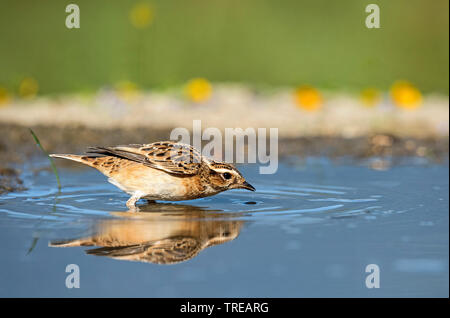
column 275, row 43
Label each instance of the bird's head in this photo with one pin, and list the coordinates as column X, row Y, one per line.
column 224, row 176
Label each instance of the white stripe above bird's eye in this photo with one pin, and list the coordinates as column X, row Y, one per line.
column 222, row 170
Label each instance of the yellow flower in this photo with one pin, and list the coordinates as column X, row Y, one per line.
column 370, row 97
column 198, row 90
column 5, row 97
column 406, row 95
column 127, row 90
column 141, row 15
column 28, row 88
column 308, row 98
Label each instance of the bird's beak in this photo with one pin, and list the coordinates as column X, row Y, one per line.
column 247, row 186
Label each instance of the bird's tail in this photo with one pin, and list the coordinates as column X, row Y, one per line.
column 87, row 160
column 67, row 243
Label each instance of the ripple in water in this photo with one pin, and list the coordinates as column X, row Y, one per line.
column 304, row 203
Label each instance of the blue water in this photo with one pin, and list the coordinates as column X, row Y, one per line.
column 309, row 230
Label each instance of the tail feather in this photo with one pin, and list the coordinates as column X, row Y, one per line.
column 68, row 243
column 87, row 160
column 98, row 162
column 76, row 158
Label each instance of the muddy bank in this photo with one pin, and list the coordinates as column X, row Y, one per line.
column 17, row 146
column 10, row 180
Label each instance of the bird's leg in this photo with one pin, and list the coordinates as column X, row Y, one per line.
column 131, row 203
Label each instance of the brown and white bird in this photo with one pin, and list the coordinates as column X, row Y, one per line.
column 165, row 170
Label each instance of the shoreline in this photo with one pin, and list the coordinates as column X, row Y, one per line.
column 231, row 106
column 17, row 146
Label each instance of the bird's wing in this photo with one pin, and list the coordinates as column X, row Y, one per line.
column 175, row 158
column 166, row 251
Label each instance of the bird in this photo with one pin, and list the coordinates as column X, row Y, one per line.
column 164, row 171
column 164, row 233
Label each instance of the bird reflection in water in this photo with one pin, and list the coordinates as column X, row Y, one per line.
column 159, row 233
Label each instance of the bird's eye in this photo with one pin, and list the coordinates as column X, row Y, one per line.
column 227, row 175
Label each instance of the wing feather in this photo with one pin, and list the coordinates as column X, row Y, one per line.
column 166, row 251
column 174, row 158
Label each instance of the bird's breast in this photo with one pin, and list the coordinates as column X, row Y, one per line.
column 155, row 184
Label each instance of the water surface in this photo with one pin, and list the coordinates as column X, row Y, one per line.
column 309, row 230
